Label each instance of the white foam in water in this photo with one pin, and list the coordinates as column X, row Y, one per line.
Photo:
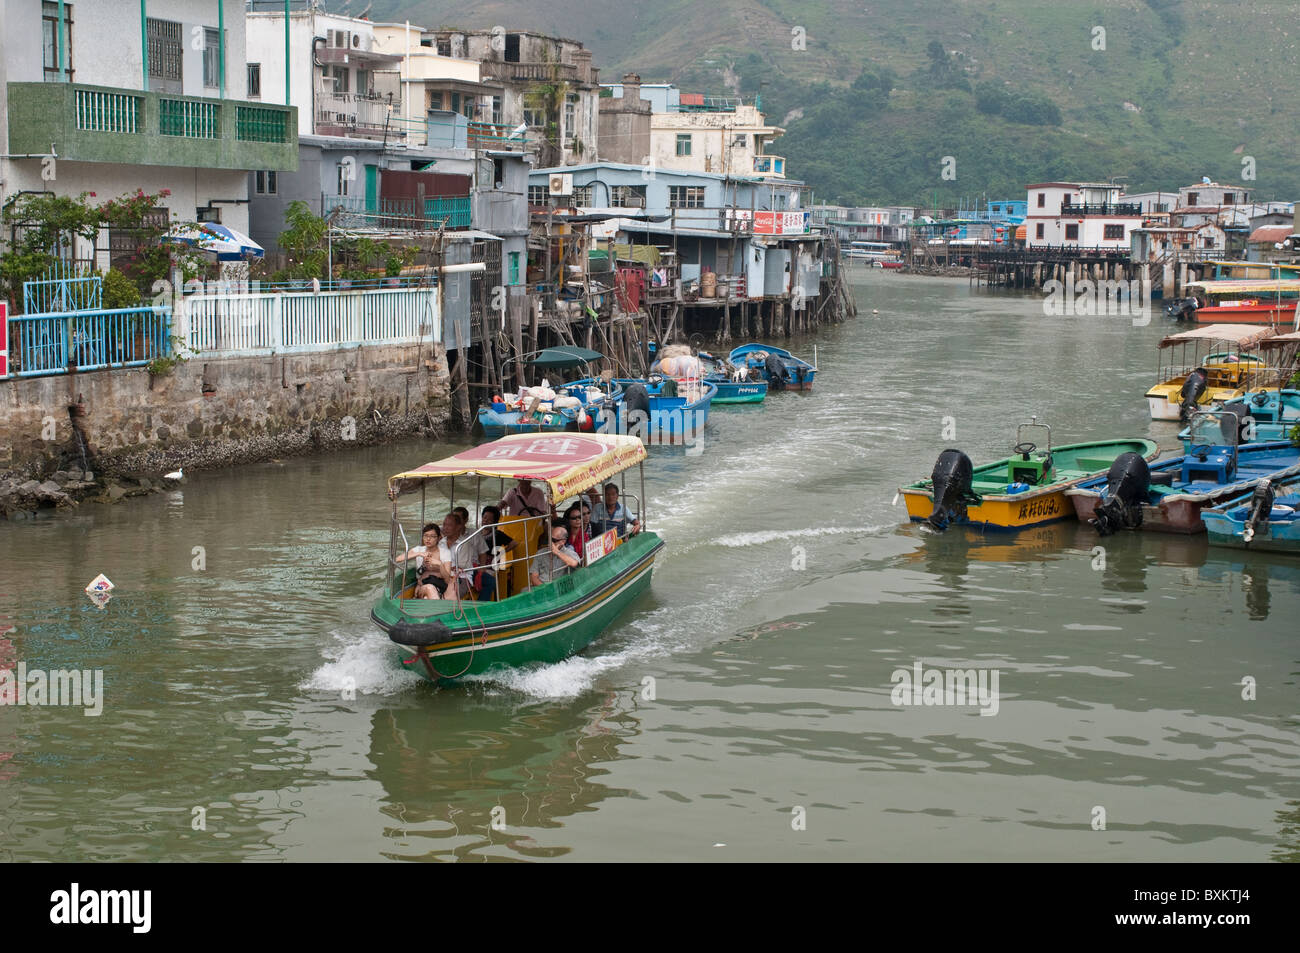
column 770, row 536
column 366, row 663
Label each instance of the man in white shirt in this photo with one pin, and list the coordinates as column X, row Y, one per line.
column 453, row 531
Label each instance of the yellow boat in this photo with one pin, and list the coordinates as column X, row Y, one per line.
column 1228, row 371
column 1025, row 489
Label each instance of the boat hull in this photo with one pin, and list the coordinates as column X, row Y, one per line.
column 733, row 392
column 1170, row 516
column 1017, row 512
column 497, row 424
column 1247, row 314
column 547, row 625
column 1164, row 401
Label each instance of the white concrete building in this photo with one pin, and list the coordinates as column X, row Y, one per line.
column 107, row 98
column 1081, row 214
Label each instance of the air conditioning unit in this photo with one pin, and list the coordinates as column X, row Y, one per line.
column 362, row 42
column 633, row 201
column 561, row 184
column 340, row 40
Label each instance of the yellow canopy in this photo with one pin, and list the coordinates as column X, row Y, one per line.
column 567, row 463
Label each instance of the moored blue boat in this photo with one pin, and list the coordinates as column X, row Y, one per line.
column 750, row 390
column 781, row 369
column 659, row 409
column 1265, row 415
column 575, row 407
column 1266, row 519
column 1170, row 495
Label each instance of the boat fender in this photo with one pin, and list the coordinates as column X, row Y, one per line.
column 1128, row 481
column 419, row 633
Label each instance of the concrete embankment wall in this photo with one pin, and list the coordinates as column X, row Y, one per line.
column 209, row 413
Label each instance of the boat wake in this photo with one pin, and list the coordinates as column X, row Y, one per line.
column 364, row 662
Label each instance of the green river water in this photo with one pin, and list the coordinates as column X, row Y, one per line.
column 741, row 709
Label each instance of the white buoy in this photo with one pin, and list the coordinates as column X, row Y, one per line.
column 174, row 475
column 875, row 311
column 895, row 503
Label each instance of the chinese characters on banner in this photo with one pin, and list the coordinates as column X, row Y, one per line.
column 601, row 545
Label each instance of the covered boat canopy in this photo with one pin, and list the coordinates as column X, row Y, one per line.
column 1247, row 286
column 565, row 356
column 568, row 463
column 1242, row 335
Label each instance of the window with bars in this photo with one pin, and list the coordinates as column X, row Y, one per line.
column 165, row 50
column 254, row 80
column 344, row 177
column 265, row 183
column 435, row 100
column 496, row 110
column 50, row 41
column 1072, row 233
column 539, row 195
column 582, row 195
column 686, row 196
column 683, row 143
column 534, row 117
column 1113, row 232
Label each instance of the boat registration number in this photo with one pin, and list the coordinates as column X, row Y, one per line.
column 1047, row 506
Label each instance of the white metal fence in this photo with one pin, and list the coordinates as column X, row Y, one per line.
column 233, row 325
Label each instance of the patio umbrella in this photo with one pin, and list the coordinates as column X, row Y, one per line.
column 565, row 356
column 221, row 240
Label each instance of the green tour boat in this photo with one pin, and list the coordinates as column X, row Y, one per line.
column 516, row 618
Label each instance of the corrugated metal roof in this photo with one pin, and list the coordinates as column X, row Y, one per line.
column 1272, row 233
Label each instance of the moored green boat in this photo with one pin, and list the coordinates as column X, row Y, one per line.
column 446, row 639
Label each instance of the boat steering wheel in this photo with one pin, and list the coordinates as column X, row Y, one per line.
column 1200, row 451
column 1024, row 449
column 1260, row 399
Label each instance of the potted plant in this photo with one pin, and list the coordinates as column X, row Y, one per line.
column 392, row 270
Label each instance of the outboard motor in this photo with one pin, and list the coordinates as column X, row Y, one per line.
column 1128, row 481
column 1182, row 309
column 636, row 398
column 1191, row 393
column 776, row 372
column 951, row 479
column 1261, row 508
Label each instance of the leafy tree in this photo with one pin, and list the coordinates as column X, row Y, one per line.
column 303, row 241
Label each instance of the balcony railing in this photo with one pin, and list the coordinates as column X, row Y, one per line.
column 193, row 119
column 353, row 211
column 136, row 127
column 544, row 72
column 1118, row 208
column 493, row 135
column 357, row 113
column 102, row 111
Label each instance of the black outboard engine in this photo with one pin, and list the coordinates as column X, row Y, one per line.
column 951, row 479
column 1191, row 393
column 636, row 408
column 1261, row 508
column 777, row 374
column 1182, row 309
column 1128, row 481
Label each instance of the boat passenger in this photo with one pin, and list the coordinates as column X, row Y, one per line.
column 453, row 531
column 430, row 574
column 500, row 548
column 524, row 500
column 578, row 537
column 611, row 514
column 552, row 563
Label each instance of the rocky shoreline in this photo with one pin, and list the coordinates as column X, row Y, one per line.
column 140, row 473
